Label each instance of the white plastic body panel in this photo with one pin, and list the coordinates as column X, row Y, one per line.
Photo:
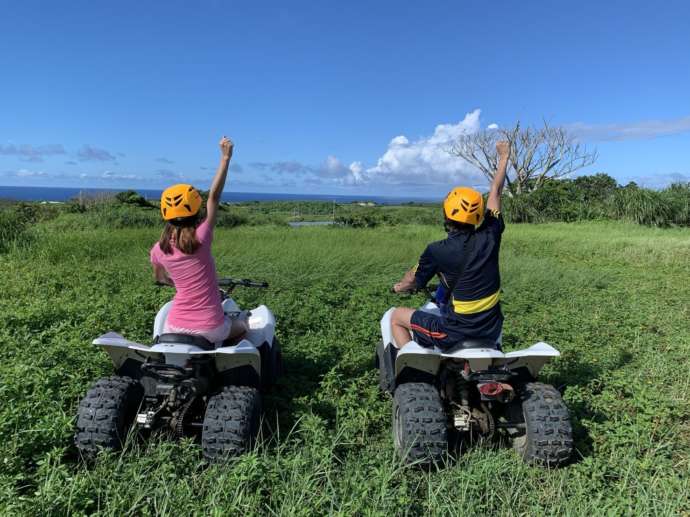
column 230, row 306
column 261, row 322
column 262, row 326
column 121, row 349
column 159, row 322
column 429, row 360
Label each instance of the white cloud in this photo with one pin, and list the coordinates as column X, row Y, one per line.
column 659, row 180
column 426, row 160
column 32, row 153
column 492, row 126
column 332, row 167
column 91, row 153
column 421, row 161
column 355, row 177
column 642, row 130
column 25, row 173
column 110, row 175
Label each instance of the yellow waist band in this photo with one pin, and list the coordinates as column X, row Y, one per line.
column 474, row 306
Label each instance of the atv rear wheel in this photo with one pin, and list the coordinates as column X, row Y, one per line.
column 548, row 437
column 231, row 423
column 420, row 430
column 106, row 413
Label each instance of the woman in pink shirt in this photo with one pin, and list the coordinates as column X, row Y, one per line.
column 182, row 258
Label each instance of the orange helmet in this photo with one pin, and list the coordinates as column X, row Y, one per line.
column 180, row 201
column 464, row 205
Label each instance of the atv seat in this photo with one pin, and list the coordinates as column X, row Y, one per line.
column 474, row 343
column 186, row 339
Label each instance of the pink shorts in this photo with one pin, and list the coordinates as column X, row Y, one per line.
column 215, row 335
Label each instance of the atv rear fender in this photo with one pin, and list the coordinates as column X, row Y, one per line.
column 226, row 358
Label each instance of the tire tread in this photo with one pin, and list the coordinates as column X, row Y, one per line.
column 548, row 435
column 231, row 422
column 423, row 423
column 105, row 414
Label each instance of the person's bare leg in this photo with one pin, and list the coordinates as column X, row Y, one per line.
column 400, row 326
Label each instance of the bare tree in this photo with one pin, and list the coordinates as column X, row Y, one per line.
column 537, row 154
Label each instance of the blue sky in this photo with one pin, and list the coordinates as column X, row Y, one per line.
column 334, row 97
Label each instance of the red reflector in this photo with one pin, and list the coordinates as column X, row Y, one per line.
column 491, row 389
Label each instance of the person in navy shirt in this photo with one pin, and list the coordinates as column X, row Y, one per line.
column 467, row 264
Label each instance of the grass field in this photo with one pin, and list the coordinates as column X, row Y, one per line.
column 612, row 297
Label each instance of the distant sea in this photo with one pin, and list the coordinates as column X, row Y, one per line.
column 65, row 194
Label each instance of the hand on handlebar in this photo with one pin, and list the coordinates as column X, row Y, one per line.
column 403, row 288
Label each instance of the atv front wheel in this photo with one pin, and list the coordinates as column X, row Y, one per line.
column 419, row 424
column 231, row 423
column 548, row 436
column 106, row 413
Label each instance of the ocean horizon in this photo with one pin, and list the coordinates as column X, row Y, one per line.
column 62, row 194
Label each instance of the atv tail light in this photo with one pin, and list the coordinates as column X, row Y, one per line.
column 491, row 389
column 497, row 390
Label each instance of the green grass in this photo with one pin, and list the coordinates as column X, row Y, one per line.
column 612, row 297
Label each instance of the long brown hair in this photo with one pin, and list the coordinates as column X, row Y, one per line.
column 181, row 234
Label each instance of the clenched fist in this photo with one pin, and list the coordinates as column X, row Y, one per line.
column 226, row 147
column 503, row 149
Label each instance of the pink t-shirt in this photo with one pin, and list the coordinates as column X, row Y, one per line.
column 196, row 304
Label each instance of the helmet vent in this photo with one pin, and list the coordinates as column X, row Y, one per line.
column 455, row 211
column 189, row 208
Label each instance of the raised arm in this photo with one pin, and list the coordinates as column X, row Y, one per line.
column 226, row 147
column 494, row 201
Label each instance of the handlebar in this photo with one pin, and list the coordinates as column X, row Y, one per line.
column 230, row 283
column 244, row 282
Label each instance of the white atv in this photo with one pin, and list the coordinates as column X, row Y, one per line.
column 185, row 383
column 468, row 392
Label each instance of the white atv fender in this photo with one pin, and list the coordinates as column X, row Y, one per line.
column 120, row 349
column 261, row 322
column 429, row 359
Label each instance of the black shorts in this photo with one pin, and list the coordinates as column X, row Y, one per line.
column 430, row 330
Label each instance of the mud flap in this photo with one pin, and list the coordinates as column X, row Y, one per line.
column 385, row 360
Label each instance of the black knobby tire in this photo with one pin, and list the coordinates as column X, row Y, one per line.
column 231, row 423
column 548, row 436
column 106, row 413
column 420, row 428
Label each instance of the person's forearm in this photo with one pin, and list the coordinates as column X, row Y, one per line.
column 500, row 176
column 219, row 180
column 408, row 282
column 494, row 200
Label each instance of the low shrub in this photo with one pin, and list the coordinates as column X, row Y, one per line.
column 641, row 206
column 17, row 219
column 130, row 197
